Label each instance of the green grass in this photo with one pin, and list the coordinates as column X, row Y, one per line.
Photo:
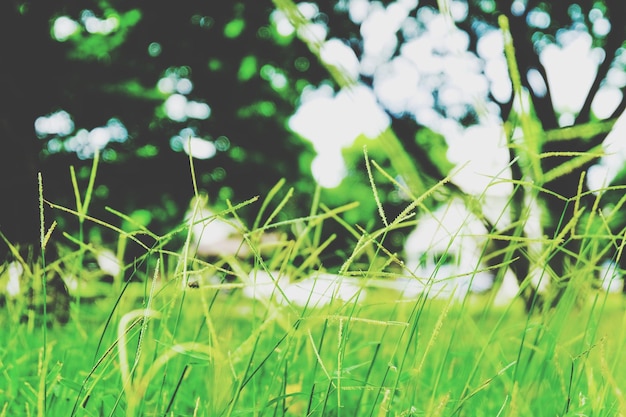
column 151, row 343
column 171, row 350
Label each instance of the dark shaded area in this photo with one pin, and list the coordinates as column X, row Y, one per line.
column 40, row 76
column 29, row 88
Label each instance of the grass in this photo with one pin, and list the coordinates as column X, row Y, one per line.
column 207, row 352
column 168, row 341
column 174, row 335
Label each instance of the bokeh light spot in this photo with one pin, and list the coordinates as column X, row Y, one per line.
column 63, row 28
column 58, row 123
column 234, row 28
column 218, row 174
column 154, row 49
column 147, row 151
column 199, row 148
column 184, row 86
column 222, row 143
column 247, row 68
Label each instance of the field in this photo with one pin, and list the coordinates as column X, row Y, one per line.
column 160, row 348
column 274, row 334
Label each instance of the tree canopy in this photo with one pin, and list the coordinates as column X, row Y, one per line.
column 144, row 82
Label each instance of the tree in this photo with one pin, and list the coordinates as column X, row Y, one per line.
column 560, row 144
column 239, row 73
column 121, row 65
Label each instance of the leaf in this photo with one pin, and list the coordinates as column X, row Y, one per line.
column 436, row 147
column 583, row 131
column 572, row 164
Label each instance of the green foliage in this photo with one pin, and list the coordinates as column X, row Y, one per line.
column 234, row 28
column 134, row 89
column 248, row 68
column 232, row 61
column 100, row 46
column 436, row 148
column 173, row 333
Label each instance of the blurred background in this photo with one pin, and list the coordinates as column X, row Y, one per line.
column 253, row 98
